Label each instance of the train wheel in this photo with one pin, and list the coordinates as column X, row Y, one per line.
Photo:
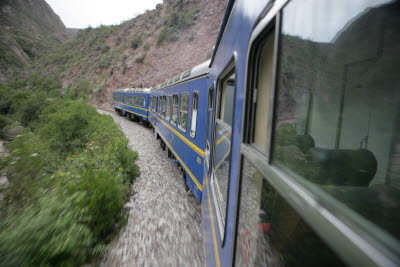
column 162, row 144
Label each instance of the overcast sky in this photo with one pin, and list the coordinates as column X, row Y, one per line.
column 322, row 20
column 81, row 13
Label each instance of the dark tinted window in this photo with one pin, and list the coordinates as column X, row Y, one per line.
column 270, row 232
column 338, row 107
column 195, row 101
column 183, row 111
column 222, row 144
column 174, row 116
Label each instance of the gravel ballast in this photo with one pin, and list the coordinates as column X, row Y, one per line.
column 164, row 224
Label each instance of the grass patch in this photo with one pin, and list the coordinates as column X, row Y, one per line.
column 136, row 42
column 140, row 59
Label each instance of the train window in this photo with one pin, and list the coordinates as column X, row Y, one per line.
column 163, row 105
column 195, row 102
column 225, row 100
column 144, row 101
column 137, row 101
column 270, row 232
column 337, row 121
column 140, row 101
column 183, row 112
column 186, row 74
column 260, row 95
column 209, row 116
column 168, row 108
column 174, row 117
column 222, row 144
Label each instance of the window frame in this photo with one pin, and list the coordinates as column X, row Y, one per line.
column 179, row 112
column 219, row 210
column 191, row 114
column 168, row 107
column 172, row 109
column 210, row 109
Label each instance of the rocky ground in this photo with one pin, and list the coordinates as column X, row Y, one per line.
column 164, row 225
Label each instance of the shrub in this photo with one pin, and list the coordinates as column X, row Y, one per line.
column 147, row 46
column 105, row 49
column 136, row 42
column 124, row 69
column 68, row 204
column 68, row 128
column 5, row 99
column 124, row 57
column 49, row 233
column 30, row 109
column 140, row 59
column 4, row 121
column 172, row 35
column 104, row 63
column 162, row 35
column 104, row 198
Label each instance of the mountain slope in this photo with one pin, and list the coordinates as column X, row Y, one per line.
column 28, row 28
column 143, row 51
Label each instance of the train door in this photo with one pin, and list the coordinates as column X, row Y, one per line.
column 221, row 144
column 209, row 126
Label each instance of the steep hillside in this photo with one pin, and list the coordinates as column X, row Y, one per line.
column 27, row 29
column 143, row 51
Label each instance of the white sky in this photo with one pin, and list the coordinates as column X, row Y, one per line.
column 321, row 20
column 82, row 13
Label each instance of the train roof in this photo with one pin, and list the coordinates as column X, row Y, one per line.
column 133, row 90
column 196, row 71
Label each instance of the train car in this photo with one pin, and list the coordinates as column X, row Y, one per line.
column 302, row 155
column 178, row 115
column 132, row 102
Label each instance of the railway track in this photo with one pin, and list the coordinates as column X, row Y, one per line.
column 164, row 224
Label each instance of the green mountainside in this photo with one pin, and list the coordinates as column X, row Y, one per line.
column 28, row 28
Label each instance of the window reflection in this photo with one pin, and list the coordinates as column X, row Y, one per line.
column 338, row 112
column 222, row 143
column 270, row 232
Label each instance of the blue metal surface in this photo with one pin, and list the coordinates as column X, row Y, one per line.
column 187, row 150
column 218, row 249
column 140, row 111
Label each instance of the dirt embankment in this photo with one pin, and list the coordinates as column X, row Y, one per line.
column 194, row 46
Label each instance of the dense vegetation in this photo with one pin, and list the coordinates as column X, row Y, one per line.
column 69, row 169
column 69, row 172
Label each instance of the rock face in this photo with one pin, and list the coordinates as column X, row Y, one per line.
column 27, row 29
column 164, row 61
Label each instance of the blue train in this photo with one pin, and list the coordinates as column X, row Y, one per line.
column 295, row 155
column 178, row 118
column 132, row 102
